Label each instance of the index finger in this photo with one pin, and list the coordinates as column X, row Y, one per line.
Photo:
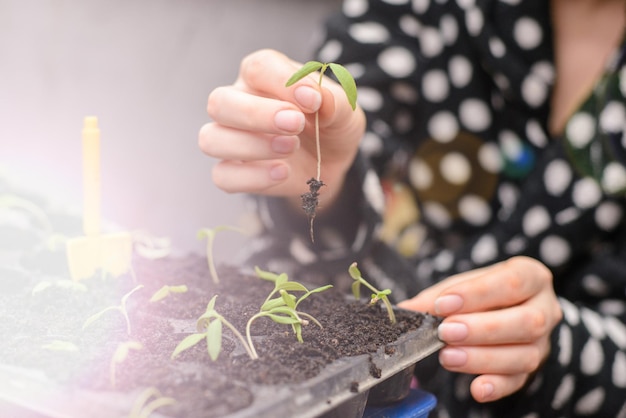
column 506, row 284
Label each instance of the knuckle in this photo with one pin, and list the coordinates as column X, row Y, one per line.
column 532, row 360
column 252, row 65
column 537, row 324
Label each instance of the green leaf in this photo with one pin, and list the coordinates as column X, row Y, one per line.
column 297, row 328
column 188, row 342
column 58, row 345
column 266, row 275
column 211, row 305
column 127, row 295
column 281, row 279
column 291, row 287
column 214, row 339
column 70, row 285
column 41, row 286
column 122, row 350
column 305, row 70
column 204, row 320
column 356, row 290
column 160, row 294
column 272, row 304
column 310, row 292
column 347, row 82
column 288, row 320
column 97, row 315
column 205, row 233
column 354, row 271
column 290, row 300
column 384, row 292
column 166, row 290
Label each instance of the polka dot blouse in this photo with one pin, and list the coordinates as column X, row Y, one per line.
column 457, row 170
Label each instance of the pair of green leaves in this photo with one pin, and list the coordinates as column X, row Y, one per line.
column 377, row 295
column 341, row 73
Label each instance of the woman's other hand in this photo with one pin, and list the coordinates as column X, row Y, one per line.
column 498, row 322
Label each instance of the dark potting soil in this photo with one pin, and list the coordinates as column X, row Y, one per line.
column 43, row 329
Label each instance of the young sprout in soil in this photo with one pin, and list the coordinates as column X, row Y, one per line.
column 310, row 200
column 281, row 309
column 58, row 345
column 377, row 295
column 209, row 234
column 120, row 355
column 142, row 408
column 209, row 327
column 166, row 291
column 65, row 284
column 121, row 308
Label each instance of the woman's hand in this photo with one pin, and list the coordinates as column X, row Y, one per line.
column 263, row 133
column 497, row 323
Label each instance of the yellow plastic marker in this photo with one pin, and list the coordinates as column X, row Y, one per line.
column 109, row 252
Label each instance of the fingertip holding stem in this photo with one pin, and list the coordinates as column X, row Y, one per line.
column 308, row 98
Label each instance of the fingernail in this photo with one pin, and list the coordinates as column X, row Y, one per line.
column 289, row 121
column 448, row 304
column 278, row 172
column 452, row 357
column 488, row 390
column 308, row 98
column 284, row 144
column 452, row 331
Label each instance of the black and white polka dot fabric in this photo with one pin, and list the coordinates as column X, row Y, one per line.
column 457, row 171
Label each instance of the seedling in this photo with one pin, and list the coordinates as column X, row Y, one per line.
column 121, row 308
column 281, row 309
column 310, row 200
column 209, row 234
column 377, row 295
column 120, row 355
column 12, row 202
column 209, row 327
column 142, row 408
column 166, row 291
column 69, row 285
column 59, row 345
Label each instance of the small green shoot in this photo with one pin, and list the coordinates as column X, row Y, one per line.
column 377, row 295
column 166, row 291
column 65, row 284
column 13, row 202
column 209, row 327
column 120, row 355
column 121, row 308
column 58, row 345
column 310, row 200
column 210, row 234
column 281, row 309
column 142, row 408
